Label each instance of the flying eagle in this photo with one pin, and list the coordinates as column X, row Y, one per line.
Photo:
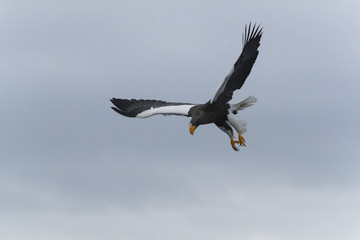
column 218, row 110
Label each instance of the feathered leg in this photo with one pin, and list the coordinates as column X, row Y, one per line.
column 225, row 127
column 239, row 125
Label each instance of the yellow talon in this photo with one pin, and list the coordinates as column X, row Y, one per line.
column 242, row 140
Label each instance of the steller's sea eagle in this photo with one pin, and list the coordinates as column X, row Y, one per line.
column 218, row 110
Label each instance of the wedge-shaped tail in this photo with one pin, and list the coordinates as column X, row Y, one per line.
column 248, row 102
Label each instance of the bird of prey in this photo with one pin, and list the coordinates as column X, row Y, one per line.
column 218, row 110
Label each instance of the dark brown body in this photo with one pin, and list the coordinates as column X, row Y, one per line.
column 208, row 113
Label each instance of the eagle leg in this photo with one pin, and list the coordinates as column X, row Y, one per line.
column 241, row 140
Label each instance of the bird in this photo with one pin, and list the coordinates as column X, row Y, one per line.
column 217, row 110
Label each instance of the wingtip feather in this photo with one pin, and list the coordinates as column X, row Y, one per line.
column 117, row 110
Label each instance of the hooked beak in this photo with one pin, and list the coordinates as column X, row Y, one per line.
column 192, row 129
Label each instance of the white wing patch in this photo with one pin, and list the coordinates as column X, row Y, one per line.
column 176, row 110
column 222, row 86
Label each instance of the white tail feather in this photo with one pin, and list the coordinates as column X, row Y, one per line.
column 248, row 102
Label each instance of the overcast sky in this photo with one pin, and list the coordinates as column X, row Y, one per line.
column 73, row 169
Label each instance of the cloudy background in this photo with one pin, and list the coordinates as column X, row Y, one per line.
column 72, row 169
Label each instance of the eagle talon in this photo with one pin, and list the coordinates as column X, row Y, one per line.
column 242, row 140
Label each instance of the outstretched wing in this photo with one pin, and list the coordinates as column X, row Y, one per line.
column 146, row 108
column 242, row 67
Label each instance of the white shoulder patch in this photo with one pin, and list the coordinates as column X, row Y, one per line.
column 167, row 110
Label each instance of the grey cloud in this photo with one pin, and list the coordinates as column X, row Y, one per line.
column 73, row 169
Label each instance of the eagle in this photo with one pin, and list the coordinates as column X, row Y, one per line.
column 217, row 110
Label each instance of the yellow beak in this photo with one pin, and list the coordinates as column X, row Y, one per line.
column 192, row 129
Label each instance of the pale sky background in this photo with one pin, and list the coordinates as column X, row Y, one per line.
column 73, row 169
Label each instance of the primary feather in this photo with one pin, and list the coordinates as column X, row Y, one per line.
column 145, row 108
column 242, row 67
